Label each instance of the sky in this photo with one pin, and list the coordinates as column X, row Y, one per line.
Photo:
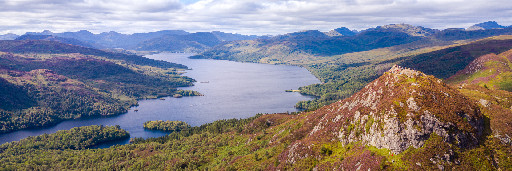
column 255, row 17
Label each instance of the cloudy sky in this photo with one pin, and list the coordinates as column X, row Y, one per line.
column 243, row 16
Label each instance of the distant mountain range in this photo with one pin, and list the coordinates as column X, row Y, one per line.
column 313, row 43
column 182, row 41
column 165, row 40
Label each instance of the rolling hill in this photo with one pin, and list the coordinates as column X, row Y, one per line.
column 490, row 70
column 45, row 82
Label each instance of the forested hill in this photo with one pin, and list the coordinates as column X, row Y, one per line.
column 44, row 82
column 77, row 138
column 54, row 47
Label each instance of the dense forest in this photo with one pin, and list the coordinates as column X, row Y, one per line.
column 176, row 144
column 45, row 82
column 76, row 138
column 168, row 126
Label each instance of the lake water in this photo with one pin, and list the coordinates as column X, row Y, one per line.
column 231, row 90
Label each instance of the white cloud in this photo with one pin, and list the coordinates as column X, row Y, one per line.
column 243, row 16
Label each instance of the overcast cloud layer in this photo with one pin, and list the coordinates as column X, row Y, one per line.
column 243, row 16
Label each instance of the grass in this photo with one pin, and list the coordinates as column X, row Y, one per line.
column 369, row 124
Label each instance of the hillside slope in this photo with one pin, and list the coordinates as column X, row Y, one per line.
column 45, row 82
column 487, row 81
column 446, row 62
column 53, row 47
column 490, row 70
column 55, row 38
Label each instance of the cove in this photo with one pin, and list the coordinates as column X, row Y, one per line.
column 231, row 90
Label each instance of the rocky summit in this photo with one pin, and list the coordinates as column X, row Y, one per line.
column 401, row 109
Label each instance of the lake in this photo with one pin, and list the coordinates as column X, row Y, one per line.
column 231, row 90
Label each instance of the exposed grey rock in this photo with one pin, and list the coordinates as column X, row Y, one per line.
column 397, row 133
column 484, row 103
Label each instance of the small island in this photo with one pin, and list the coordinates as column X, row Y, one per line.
column 167, row 126
column 292, row 90
column 77, row 138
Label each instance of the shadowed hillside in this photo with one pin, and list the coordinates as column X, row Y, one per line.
column 53, row 47
column 446, row 62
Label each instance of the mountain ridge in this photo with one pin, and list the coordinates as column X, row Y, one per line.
column 112, row 39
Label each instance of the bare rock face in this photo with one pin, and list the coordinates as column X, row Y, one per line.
column 402, row 109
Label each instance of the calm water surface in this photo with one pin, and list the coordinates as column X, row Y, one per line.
column 231, row 89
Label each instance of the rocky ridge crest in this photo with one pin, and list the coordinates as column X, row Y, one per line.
column 401, row 109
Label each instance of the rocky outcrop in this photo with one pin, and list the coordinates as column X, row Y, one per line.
column 397, row 136
column 409, row 29
column 402, row 109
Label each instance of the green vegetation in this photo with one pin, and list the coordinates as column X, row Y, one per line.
column 174, row 151
column 169, row 126
column 75, row 138
column 490, row 71
column 188, row 93
column 45, row 82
